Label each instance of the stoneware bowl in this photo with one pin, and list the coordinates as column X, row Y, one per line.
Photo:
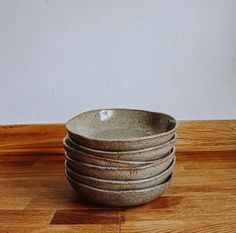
column 147, row 154
column 120, row 185
column 121, row 129
column 98, row 160
column 122, row 173
column 119, row 198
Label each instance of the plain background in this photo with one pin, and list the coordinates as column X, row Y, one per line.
column 59, row 58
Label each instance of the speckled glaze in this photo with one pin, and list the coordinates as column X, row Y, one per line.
column 122, row 173
column 99, row 160
column 121, row 129
column 120, row 198
column 120, row 185
column 143, row 155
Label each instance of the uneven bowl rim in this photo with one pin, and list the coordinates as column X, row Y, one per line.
column 159, row 161
column 120, row 140
column 169, row 178
column 148, row 149
column 169, row 168
column 85, row 154
column 68, row 147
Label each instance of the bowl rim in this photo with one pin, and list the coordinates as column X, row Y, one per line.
column 120, row 140
column 100, row 158
column 168, row 180
column 170, row 154
column 169, row 168
column 172, row 140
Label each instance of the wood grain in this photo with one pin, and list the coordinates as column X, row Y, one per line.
column 16, row 203
column 87, row 216
column 28, row 139
column 25, row 217
column 76, row 228
column 36, row 197
column 216, row 135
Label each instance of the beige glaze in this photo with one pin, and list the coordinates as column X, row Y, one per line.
column 120, row 185
column 120, row 198
column 122, row 173
column 98, row 160
column 121, row 129
column 143, row 155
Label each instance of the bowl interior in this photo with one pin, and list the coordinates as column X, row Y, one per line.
column 120, row 124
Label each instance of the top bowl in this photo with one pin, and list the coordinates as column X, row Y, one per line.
column 121, row 129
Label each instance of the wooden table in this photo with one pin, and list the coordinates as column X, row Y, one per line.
column 36, row 197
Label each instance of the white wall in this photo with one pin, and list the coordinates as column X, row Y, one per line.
column 58, row 58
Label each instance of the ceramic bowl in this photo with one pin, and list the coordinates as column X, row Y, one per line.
column 98, row 160
column 120, row 198
column 120, row 185
column 143, row 155
column 121, row 129
column 122, row 173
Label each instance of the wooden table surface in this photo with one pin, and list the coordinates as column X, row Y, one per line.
column 36, row 197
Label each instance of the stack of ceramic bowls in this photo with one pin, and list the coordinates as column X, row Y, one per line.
column 120, row 157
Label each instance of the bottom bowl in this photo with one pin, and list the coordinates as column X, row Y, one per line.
column 122, row 198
